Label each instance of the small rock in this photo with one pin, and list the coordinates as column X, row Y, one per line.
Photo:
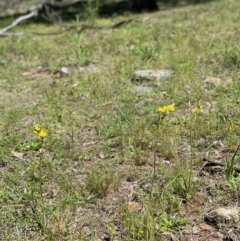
column 205, row 226
column 223, row 217
column 86, row 230
column 91, row 68
column 166, row 162
column 101, row 155
column 142, row 89
column 130, row 179
column 3, row 61
column 64, row 70
column 149, row 75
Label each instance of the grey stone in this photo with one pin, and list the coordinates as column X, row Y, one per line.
column 91, row 68
column 141, row 90
column 3, row 61
column 223, row 217
column 64, row 70
column 141, row 75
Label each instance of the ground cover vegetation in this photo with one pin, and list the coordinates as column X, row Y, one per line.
column 84, row 157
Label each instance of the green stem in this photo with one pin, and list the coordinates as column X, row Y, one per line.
column 155, row 155
column 41, row 186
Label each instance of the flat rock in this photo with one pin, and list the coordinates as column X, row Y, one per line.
column 149, row 75
column 141, row 90
column 91, row 68
column 223, row 216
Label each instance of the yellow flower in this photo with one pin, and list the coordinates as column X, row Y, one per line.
column 166, row 109
column 197, row 108
column 42, row 133
column 36, row 129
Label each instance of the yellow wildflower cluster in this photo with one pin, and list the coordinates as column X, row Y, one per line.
column 197, row 108
column 111, row 230
column 166, row 109
column 42, row 133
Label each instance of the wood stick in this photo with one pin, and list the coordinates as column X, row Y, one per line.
column 17, row 21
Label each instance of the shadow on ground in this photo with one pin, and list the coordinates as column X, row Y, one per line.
column 49, row 13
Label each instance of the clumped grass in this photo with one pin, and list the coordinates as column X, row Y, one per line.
column 101, row 181
column 104, row 161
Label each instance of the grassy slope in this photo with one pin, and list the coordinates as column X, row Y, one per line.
column 100, row 148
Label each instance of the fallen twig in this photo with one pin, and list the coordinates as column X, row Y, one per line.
column 208, row 163
column 84, row 27
column 35, row 13
column 117, row 25
column 17, row 21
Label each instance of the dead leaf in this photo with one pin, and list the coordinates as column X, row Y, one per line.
column 59, row 73
column 205, row 226
column 133, row 206
column 26, row 73
column 87, row 165
column 18, row 155
column 170, row 235
column 53, row 192
column 32, row 72
column 196, row 229
column 185, row 237
column 213, row 80
column 229, row 81
column 89, row 143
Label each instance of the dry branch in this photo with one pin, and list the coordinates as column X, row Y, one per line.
column 17, row 21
